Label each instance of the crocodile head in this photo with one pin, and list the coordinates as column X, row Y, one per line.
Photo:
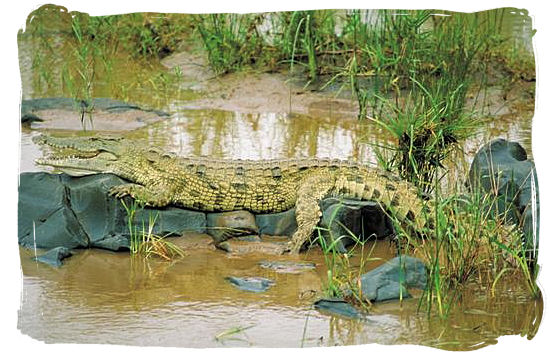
column 80, row 156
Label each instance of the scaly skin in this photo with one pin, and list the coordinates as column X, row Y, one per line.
column 205, row 184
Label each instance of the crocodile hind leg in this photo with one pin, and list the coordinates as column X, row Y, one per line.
column 157, row 197
column 308, row 211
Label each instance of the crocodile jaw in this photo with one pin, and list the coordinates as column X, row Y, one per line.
column 82, row 166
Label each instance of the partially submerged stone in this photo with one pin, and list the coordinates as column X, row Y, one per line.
column 287, row 266
column 107, row 114
column 54, row 257
column 253, row 284
column 339, row 307
column 238, row 246
column 391, row 280
column 44, row 219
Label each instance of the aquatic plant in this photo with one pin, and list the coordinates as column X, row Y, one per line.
column 343, row 274
column 142, row 239
column 427, row 128
column 468, row 240
column 231, row 40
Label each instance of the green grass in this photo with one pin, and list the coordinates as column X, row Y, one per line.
column 80, row 56
column 468, row 241
column 344, row 269
column 142, row 239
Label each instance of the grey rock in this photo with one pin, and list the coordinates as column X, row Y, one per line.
column 45, row 219
column 363, row 219
column 30, row 109
column 253, row 284
column 287, row 266
column 505, row 165
column 99, row 215
column 339, row 307
column 391, row 280
column 76, row 212
column 170, row 221
column 222, row 226
column 113, row 243
column 54, row 257
column 277, row 224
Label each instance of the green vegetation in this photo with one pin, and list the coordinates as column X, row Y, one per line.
column 469, row 241
column 79, row 56
column 142, row 239
column 344, row 269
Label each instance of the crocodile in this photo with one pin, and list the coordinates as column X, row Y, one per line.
column 159, row 179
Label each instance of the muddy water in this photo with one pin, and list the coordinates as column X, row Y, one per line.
column 105, row 297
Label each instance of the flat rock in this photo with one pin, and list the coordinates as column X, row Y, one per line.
column 391, row 280
column 54, row 257
column 287, row 266
column 107, row 114
column 338, row 307
column 253, row 284
column 238, row 246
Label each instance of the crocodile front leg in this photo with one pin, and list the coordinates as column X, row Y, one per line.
column 157, row 197
column 308, row 211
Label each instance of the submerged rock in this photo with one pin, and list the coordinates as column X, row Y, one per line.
column 391, row 280
column 287, row 266
column 239, row 246
column 502, row 166
column 253, row 284
column 339, row 307
column 54, row 256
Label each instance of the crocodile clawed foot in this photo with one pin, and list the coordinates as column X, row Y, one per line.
column 119, row 191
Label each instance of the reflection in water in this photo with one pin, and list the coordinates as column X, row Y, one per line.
column 235, row 135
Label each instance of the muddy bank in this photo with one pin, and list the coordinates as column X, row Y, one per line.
column 279, row 92
column 255, row 92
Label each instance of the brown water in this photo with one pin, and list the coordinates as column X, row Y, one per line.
column 105, row 297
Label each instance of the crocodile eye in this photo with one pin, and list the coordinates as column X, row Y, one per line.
column 152, row 154
column 168, row 155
